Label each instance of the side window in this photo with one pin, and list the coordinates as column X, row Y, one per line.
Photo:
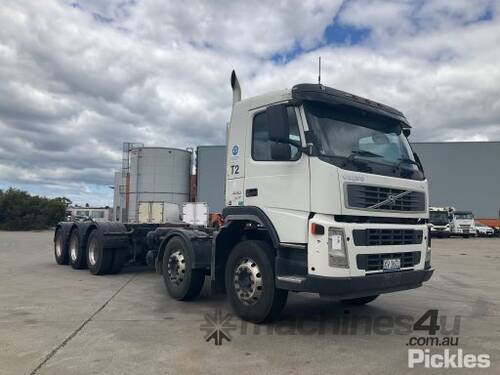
column 261, row 145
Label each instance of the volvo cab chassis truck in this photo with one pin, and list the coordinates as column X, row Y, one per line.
column 323, row 194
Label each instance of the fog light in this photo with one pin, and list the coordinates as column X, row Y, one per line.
column 337, row 249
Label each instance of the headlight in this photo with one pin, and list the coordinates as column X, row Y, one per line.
column 337, row 249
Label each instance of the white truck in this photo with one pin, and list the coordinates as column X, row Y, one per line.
column 462, row 224
column 323, row 194
column 439, row 221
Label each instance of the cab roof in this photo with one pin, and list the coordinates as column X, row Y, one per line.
column 314, row 92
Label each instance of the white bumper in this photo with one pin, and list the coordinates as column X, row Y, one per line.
column 318, row 248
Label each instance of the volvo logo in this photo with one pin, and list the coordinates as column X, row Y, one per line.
column 390, row 200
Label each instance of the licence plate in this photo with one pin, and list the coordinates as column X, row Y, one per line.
column 392, row 264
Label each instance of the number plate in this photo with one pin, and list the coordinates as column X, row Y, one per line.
column 392, row 264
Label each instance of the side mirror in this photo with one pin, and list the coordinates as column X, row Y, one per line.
column 281, row 151
column 277, row 118
column 406, row 132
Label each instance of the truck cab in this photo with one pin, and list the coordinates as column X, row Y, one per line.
column 439, row 221
column 332, row 180
column 463, row 224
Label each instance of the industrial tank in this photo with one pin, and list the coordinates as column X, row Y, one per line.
column 156, row 183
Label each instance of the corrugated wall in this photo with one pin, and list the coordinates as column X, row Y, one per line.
column 210, row 169
column 465, row 175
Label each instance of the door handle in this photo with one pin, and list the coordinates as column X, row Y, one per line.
column 251, row 192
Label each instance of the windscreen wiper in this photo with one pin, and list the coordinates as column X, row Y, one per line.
column 364, row 153
column 407, row 161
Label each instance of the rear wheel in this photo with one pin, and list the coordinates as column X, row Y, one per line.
column 119, row 259
column 77, row 254
column 250, row 282
column 360, row 301
column 181, row 280
column 98, row 259
column 60, row 248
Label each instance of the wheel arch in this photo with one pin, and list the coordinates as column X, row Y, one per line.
column 250, row 214
column 237, row 221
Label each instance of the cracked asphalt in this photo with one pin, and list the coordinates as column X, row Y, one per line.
column 56, row 320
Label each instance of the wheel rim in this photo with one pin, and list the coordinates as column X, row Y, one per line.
column 58, row 245
column 73, row 248
column 93, row 252
column 248, row 281
column 176, row 267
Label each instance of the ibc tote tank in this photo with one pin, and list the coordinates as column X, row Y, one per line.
column 159, row 178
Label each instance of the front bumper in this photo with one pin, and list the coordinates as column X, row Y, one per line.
column 361, row 286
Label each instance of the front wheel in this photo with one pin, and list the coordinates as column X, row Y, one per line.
column 250, row 282
column 360, row 301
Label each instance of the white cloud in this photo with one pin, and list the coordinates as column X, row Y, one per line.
column 79, row 78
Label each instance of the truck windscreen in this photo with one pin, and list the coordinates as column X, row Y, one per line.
column 356, row 141
column 438, row 218
column 464, row 216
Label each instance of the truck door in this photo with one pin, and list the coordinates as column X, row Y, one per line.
column 279, row 188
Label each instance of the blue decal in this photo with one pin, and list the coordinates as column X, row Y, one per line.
column 235, row 150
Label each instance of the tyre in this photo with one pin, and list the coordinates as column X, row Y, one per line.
column 181, row 280
column 60, row 248
column 250, row 284
column 99, row 260
column 360, row 301
column 77, row 253
column 119, row 259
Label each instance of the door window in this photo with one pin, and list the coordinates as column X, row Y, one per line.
column 261, row 144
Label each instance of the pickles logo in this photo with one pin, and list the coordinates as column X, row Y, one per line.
column 436, row 338
column 217, row 327
column 448, row 359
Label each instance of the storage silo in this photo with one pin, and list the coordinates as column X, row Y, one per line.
column 157, row 182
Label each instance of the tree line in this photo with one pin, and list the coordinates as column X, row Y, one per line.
column 22, row 211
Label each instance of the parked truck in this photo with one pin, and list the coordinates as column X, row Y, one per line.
column 323, row 194
column 439, row 221
column 462, row 224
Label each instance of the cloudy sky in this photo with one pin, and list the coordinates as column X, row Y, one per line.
column 77, row 78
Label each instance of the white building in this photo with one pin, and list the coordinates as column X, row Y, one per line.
column 99, row 214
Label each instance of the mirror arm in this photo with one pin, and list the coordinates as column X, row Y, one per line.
column 308, row 150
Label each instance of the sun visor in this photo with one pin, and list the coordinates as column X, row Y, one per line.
column 346, row 103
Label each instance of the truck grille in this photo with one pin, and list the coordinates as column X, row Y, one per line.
column 375, row 262
column 381, row 237
column 382, row 198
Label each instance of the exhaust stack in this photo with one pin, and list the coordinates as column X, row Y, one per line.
column 235, row 85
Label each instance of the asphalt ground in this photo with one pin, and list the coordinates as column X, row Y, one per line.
column 57, row 320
